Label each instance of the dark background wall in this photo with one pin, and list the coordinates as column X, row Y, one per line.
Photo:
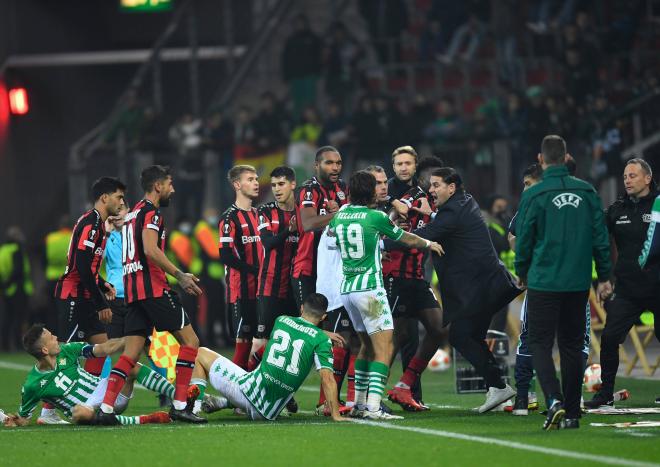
column 66, row 102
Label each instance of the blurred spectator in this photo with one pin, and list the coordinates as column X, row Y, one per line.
column 447, row 125
column 270, row 125
column 579, row 77
column 309, row 128
column 186, row 135
column 386, row 20
column 538, row 120
column 432, row 41
column 506, row 26
column 128, row 122
column 335, row 128
column 219, row 135
column 469, row 35
column 365, row 131
column 390, row 126
column 450, row 14
column 301, row 64
column 341, row 56
column 547, row 14
column 244, row 135
column 419, row 116
column 15, row 288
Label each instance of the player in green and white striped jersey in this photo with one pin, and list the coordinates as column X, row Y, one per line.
column 58, row 378
column 358, row 229
column 296, row 343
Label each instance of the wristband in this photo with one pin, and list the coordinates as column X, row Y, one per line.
column 88, row 351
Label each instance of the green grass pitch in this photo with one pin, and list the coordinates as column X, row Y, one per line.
column 450, row 434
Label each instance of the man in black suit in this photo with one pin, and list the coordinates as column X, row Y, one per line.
column 474, row 284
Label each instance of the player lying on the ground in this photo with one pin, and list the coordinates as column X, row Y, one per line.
column 295, row 344
column 59, row 379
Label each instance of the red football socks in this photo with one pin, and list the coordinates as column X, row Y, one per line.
column 339, row 366
column 350, row 388
column 415, row 367
column 185, row 363
column 94, row 366
column 255, row 358
column 242, row 354
column 116, row 380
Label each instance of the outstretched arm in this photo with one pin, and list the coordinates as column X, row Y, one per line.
column 330, row 389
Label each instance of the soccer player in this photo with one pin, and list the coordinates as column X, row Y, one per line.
column 151, row 302
column 81, row 293
column 241, row 252
column 279, row 236
column 357, row 228
column 317, row 202
column 409, row 294
column 296, row 344
column 59, row 379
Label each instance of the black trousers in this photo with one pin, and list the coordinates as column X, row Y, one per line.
column 623, row 311
column 468, row 336
column 559, row 314
column 16, row 314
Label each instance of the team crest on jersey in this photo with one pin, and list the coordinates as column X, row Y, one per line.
column 341, row 195
column 566, row 199
column 43, row 382
column 62, row 361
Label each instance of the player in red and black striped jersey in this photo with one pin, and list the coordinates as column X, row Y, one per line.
column 81, row 293
column 317, row 201
column 150, row 301
column 241, row 252
column 279, row 235
column 410, row 295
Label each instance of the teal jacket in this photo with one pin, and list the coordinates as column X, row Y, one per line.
column 561, row 227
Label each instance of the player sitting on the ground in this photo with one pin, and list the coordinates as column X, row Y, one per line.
column 59, row 379
column 295, row 345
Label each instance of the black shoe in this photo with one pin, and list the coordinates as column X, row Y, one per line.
column 521, row 407
column 555, row 416
column 657, row 400
column 600, row 400
column 292, row 406
column 186, row 416
column 104, row 419
column 385, row 408
column 570, row 423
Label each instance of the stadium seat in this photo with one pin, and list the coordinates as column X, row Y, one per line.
column 424, row 79
column 641, row 336
column 452, row 78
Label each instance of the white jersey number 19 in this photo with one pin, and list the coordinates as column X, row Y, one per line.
column 351, row 241
column 279, row 349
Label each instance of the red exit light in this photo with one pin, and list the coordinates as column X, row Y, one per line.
column 18, row 101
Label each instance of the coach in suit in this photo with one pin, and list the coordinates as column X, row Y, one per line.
column 474, row 284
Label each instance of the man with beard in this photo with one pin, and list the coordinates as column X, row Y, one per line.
column 241, row 252
column 474, row 284
column 317, row 201
column 151, row 303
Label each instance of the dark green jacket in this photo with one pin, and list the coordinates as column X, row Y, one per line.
column 560, row 227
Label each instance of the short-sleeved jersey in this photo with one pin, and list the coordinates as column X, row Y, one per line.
column 408, row 263
column 312, row 194
column 88, row 238
column 294, row 346
column 65, row 386
column 358, row 230
column 239, row 232
column 275, row 270
column 142, row 278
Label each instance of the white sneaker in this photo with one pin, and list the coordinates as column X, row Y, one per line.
column 3, row 417
column 380, row 415
column 212, row 403
column 496, row 396
column 51, row 417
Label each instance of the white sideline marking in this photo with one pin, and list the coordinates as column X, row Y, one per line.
column 511, row 444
